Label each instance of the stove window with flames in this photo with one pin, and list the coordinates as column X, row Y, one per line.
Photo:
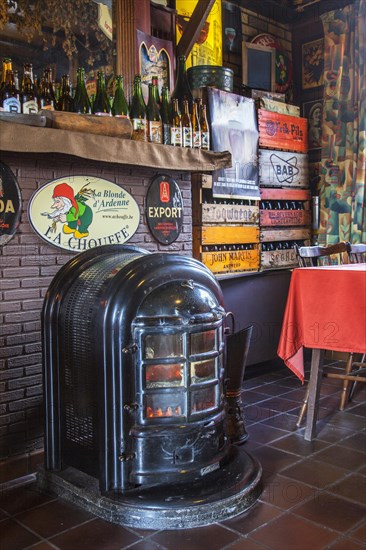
column 182, row 372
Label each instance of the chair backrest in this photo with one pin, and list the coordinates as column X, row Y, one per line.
column 311, row 256
column 357, row 253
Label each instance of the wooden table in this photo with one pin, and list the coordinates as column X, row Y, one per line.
column 325, row 310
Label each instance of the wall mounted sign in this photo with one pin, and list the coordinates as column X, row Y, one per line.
column 81, row 212
column 10, row 204
column 164, row 209
column 283, row 63
column 283, row 169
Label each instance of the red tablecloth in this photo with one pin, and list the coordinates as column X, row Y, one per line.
column 326, row 309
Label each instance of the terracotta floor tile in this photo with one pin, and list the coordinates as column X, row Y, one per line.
column 42, row 546
column 286, row 493
column 264, row 434
column 341, row 457
column 98, row 534
column 356, row 441
column 213, row 537
column 14, row 536
column 347, row 544
column 332, row 434
column 259, row 515
column 281, row 404
column 273, row 460
column 353, row 487
column 52, row 518
column 257, row 413
column 246, row 544
column 297, row 445
column 146, row 544
column 283, row 421
column 314, row 473
column 23, row 498
column 343, row 419
column 359, row 533
column 331, row 511
column 292, row 533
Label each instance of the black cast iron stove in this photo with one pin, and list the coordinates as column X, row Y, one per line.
column 134, row 373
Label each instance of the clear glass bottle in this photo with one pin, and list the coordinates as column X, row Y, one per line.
column 81, row 98
column 154, row 123
column 138, row 112
column 9, row 95
column 182, row 90
column 119, row 105
column 176, row 125
column 101, row 105
column 165, row 114
column 28, row 96
column 66, row 101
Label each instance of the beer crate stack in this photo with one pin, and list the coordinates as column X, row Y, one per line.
column 225, row 231
column 285, row 214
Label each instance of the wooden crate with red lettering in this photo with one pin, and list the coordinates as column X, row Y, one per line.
column 285, row 207
column 284, row 132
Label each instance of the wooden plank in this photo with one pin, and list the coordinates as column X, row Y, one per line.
column 278, row 107
column 91, row 124
column 277, row 131
column 291, row 234
column 277, row 96
column 224, row 234
column 283, row 169
column 285, row 217
column 274, row 259
column 222, row 261
column 230, row 213
column 285, row 194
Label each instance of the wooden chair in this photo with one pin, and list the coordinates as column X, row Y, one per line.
column 357, row 253
column 312, row 256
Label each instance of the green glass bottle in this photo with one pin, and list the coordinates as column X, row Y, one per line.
column 155, row 83
column 182, row 90
column 138, row 112
column 165, row 114
column 101, row 105
column 28, row 97
column 154, row 124
column 119, row 105
column 66, row 101
column 176, row 125
column 81, row 98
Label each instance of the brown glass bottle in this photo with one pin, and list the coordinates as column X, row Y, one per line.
column 7, row 66
column 176, row 125
column 28, row 97
column 196, row 127
column 205, row 130
column 66, row 101
column 186, row 125
column 47, row 100
column 9, row 95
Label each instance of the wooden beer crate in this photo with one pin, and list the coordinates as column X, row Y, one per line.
column 225, row 234
column 277, row 131
column 277, row 259
column 268, row 235
column 281, row 216
column 283, row 169
column 231, row 261
column 277, row 96
column 278, row 106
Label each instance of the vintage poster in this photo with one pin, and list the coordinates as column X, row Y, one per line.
column 81, row 212
column 10, row 204
column 312, row 64
column 234, row 128
column 208, row 48
column 155, row 58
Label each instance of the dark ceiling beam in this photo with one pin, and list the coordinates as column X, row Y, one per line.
column 194, row 27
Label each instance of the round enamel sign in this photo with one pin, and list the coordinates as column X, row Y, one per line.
column 164, row 209
column 10, row 204
column 81, row 212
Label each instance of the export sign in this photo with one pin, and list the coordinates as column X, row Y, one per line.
column 81, row 212
column 10, row 204
column 164, row 209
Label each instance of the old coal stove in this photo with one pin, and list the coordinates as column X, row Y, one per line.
column 134, row 374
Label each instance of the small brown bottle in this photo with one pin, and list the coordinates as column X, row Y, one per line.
column 205, row 130
column 28, row 96
column 186, row 125
column 196, row 127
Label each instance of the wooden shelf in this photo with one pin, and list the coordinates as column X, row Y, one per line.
column 19, row 138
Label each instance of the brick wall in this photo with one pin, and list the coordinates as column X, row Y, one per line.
column 27, row 266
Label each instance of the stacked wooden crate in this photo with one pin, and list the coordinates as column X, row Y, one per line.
column 225, row 231
column 285, row 215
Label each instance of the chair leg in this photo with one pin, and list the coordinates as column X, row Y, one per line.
column 303, row 408
column 342, row 402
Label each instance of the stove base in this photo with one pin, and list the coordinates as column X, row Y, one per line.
column 217, row 496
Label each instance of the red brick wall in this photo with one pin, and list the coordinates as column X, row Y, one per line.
column 27, row 266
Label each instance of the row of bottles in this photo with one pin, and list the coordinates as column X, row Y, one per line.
column 280, row 245
column 282, row 205
column 229, row 247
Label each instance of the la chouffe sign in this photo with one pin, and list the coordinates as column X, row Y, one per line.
column 164, row 209
column 10, row 204
column 81, row 212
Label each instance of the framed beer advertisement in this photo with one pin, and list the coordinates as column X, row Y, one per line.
column 155, row 58
column 313, row 111
column 312, row 64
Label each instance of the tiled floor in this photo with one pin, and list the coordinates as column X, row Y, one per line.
column 314, row 492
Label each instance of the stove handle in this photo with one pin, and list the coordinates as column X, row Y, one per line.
column 231, row 316
column 214, row 315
